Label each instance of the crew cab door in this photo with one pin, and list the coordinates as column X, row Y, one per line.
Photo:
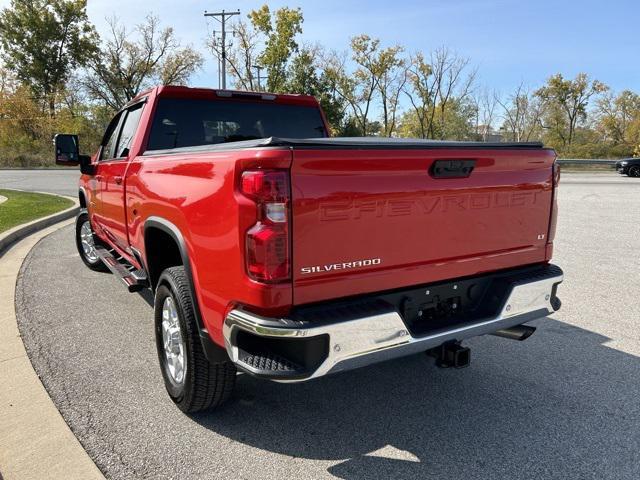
column 111, row 172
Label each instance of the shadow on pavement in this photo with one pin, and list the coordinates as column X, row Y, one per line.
column 559, row 405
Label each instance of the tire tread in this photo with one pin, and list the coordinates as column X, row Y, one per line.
column 211, row 384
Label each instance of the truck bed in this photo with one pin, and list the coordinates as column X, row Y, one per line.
column 369, row 215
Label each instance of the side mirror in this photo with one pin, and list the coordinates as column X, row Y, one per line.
column 86, row 167
column 67, row 151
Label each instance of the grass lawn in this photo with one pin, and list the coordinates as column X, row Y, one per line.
column 22, row 207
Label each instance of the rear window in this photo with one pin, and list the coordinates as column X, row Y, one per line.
column 191, row 122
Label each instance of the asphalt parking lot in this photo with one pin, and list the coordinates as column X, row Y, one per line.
column 55, row 180
column 563, row 404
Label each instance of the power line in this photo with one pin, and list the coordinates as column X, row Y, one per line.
column 222, row 18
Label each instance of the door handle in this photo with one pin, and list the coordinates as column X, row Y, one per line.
column 118, row 180
column 461, row 168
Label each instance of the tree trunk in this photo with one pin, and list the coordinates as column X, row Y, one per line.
column 52, row 106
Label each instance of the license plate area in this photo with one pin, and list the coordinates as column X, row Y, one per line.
column 445, row 304
column 433, row 307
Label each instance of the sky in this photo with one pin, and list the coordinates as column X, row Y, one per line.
column 509, row 41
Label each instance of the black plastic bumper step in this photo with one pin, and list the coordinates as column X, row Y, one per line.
column 269, row 362
column 135, row 280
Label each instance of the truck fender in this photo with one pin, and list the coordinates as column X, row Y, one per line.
column 213, row 352
column 82, row 196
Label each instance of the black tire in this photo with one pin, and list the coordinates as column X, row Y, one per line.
column 634, row 171
column 94, row 264
column 204, row 385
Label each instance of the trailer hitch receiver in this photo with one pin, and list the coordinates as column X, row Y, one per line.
column 451, row 355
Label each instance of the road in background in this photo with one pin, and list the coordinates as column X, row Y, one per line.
column 59, row 181
column 65, row 182
column 563, row 404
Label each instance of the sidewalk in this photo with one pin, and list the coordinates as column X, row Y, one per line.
column 35, row 441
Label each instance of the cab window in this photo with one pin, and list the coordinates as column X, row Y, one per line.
column 182, row 122
column 129, row 130
column 110, row 138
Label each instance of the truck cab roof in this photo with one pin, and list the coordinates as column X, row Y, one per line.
column 173, row 91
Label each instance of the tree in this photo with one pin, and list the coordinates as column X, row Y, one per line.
column 242, row 56
column 267, row 42
column 393, row 76
column 434, row 86
column 361, row 86
column 378, row 74
column 619, row 117
column 566, row 103
column 305, row 77
column 125, row 66
column 280, row 30
column 521, row 115
column 26, row 130
column 21, row 118
column 420, row 89
column 485, row 104
column 459, row 121
column 451, row 82
column 43, row 41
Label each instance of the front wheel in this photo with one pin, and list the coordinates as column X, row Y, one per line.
column 85, row 242
column 192, row 382
column 634, row 171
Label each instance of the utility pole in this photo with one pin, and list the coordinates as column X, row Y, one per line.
column 258, row 77
column 222, row 18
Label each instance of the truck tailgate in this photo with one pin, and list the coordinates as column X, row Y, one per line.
column 367, row 220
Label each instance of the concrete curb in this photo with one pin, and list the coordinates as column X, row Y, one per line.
column 16, row 234
column 35, row 441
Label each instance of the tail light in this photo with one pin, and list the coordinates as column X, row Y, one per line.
column 267, row 242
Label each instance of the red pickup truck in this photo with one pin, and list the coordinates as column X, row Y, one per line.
column 275, row 250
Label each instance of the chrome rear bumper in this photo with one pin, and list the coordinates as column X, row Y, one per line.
column 361, row 338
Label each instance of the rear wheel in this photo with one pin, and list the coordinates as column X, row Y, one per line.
column 193, row 383
column 634, row 171
column 86, row 244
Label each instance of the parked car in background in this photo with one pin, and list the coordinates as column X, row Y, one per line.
column 629, row 166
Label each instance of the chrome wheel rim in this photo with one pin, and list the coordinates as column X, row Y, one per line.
column 86, row 240
column 174, row 349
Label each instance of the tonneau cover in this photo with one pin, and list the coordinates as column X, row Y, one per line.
column 349, row 143
column 384, row 142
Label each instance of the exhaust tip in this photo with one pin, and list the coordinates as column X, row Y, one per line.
column 519, row 332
